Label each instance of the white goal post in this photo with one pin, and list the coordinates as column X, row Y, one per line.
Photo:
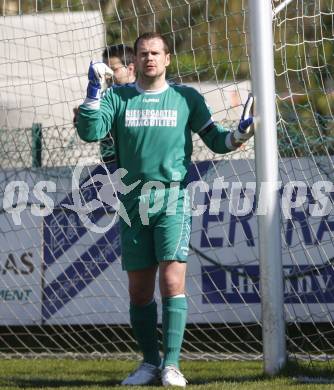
column 267, row 178
column 62, row 291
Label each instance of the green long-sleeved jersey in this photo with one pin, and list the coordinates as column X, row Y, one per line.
column 152, row 130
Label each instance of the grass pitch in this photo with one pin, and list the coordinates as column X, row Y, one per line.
column 106, row 374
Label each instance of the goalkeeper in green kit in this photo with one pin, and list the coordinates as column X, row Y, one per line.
column 151, row 122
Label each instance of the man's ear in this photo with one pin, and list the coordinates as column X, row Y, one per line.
column 131, row 69
column 167, row 59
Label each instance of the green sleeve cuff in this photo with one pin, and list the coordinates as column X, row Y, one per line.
column 214, row 138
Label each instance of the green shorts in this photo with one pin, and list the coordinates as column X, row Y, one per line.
column 164, row 236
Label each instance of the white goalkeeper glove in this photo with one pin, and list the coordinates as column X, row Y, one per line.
column 245, row 129
column 98, row 75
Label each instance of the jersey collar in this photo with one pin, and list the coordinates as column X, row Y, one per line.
column 150, row 92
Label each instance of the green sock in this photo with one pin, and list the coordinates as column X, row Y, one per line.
column 174, row 316
column 144, row 321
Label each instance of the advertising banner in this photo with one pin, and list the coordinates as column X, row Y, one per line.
column 20, row 270
column 64, row 267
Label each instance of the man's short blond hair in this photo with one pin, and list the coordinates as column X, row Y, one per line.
column 151, row 35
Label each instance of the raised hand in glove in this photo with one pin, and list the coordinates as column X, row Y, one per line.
column 98, row 75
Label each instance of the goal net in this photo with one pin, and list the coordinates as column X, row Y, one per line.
column 62, row 290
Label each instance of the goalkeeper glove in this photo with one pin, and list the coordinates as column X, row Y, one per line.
column 245, row 129
column 98, row 74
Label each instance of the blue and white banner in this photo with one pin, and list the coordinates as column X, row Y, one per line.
column 83, row 280
column 56, row 270
column 20, row 270
column 224, row 260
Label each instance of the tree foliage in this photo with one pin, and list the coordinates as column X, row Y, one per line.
column 209, row 40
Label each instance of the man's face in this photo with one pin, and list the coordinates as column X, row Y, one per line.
column 151, row 59
column 121, row 73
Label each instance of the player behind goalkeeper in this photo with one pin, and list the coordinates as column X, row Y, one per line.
column 152, row 122
column 120, row 59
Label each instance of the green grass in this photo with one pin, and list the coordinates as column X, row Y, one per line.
column 104, row 374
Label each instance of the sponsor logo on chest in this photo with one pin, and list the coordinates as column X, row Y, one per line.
column 158, row 118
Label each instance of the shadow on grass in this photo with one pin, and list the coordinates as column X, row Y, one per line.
column 34, row 383
column 308, row 369
column 299, row 371
column 55, row 383
column 224, row 371
column 227, row 379
column 20, row 382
